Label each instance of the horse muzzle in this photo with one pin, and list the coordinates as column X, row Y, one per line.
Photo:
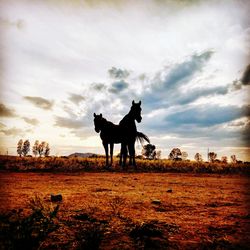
column 139, row 119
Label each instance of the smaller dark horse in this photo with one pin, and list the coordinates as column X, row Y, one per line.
column 112, row 133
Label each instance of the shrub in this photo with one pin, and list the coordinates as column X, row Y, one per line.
column 27, row 232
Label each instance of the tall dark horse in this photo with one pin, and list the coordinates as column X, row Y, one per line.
column 129, row 132
column 124, row 133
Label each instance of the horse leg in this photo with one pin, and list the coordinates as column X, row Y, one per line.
column 111, row 153
column 121, row 154
column 124, row 154
column 130, row 153
column 106, row 147
column 133, row 155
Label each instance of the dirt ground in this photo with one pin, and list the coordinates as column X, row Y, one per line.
column 190, row 211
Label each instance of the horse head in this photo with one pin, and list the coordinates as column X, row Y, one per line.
column 136, row 111
column 98, row 121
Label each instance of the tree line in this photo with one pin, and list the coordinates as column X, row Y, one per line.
column 39, row 148
column 149, row 152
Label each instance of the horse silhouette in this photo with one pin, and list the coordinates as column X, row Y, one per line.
column 124, row 133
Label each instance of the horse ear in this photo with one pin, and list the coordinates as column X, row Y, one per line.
column 133, row 102
column 94, row 115
column 101, row 115
column 139, row 102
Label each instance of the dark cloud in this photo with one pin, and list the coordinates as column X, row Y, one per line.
column 14, row 132
column 68, row 122
column 196, row 122
column 236, row 124
column 245, row 133
column 19, row 24
column 98, row 86
column 6, row 112
column 206, row 116
column 246, row 76
column 80, row 128
column 183, row 72
column 194, row 94
column 76, row 99
column 236, row 85
column 244, row 81
column 116, row 73
column 40, row 102
column 119, row 86
column 2, row 125
column 83, row 133
column 164, row 89
column 31, row 121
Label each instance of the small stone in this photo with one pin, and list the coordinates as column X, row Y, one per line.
column 156, row 202
column 56, row 197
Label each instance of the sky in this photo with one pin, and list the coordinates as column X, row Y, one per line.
column 187, row 61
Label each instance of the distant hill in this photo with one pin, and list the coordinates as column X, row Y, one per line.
column 83, row 155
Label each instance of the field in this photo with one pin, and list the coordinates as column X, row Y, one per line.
column 120, row 210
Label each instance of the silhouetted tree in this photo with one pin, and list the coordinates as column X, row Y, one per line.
column 198, row 157
column 233, row 159
column 41, row 148
column 212, row 156
column 20, row 147
column 35, row 148
column 224, row 159
column 174, row 154
column 158, row 154
column 26, row 147
column 47, row 150
column 184, row 155
column 148, row 151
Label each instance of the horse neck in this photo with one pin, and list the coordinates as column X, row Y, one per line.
column 128, row 121
column 107, row 125
column 104, row 124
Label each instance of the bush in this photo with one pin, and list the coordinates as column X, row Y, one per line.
column 26, row 232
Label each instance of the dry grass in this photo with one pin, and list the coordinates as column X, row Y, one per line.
column 134, row 210
column 75, row 164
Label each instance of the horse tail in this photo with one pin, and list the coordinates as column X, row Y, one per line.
column 141, row 137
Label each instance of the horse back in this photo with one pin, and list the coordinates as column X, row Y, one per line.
column 111, row 133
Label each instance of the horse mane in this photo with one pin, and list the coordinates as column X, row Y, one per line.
column 108, row 123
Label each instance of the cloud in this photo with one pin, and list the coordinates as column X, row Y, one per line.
column 2, row 125
column 98, row 86
column 246, row 76
column 19, row 24
column 40, row 102
column 245, row 134
column 183, row 72
column 78, row 127
column 194, row 94
column 31, row 121
column 119, row 86
column 76, row 99
column 206, row 116
column 244, row 81
column 6, row 112
column 68, row 122
column 13, row 132
column 116, row 73
column 236, row 124
column 164, row 88
column 197, row 121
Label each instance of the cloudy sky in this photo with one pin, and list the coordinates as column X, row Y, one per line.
column 187, row 61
